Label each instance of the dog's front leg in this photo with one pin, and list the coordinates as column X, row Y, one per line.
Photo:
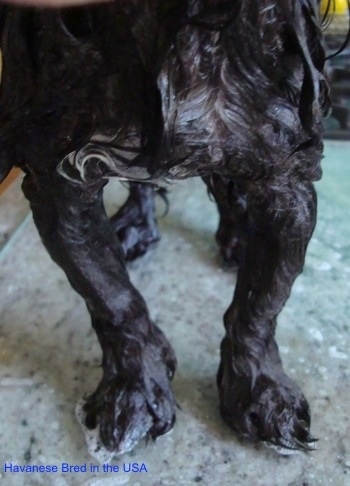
column 134, row 398
column 257, row 398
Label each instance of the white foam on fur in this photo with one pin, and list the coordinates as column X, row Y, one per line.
column 284, row 451
column 93, row 441
column 92, row 437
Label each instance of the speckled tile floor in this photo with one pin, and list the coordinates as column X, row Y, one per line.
column 49, row 357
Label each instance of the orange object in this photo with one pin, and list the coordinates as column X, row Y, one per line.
column 9, row 180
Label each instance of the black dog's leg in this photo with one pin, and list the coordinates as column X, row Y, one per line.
column 135, row 223
column 256, row 397
column 134, row 398
column 231, row 201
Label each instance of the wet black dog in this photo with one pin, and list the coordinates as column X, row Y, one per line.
column 152, row 90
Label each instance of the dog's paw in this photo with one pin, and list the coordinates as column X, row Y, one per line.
column 125, row 412
column 134, row 402
column 137, row 239
column 270, row 409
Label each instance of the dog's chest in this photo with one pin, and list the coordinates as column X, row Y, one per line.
column 196, row 115
column 203, row 115
column 205, row 111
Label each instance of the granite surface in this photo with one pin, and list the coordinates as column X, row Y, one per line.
column 49, row 356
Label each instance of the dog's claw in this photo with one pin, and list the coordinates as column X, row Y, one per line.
column 273, row 411
column 292, row 445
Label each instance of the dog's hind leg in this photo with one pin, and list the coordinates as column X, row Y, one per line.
column 256, row 397
column 135, row 223
column 231, row 202
column 134, row 398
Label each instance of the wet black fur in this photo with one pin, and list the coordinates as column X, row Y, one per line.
column 230, row 90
